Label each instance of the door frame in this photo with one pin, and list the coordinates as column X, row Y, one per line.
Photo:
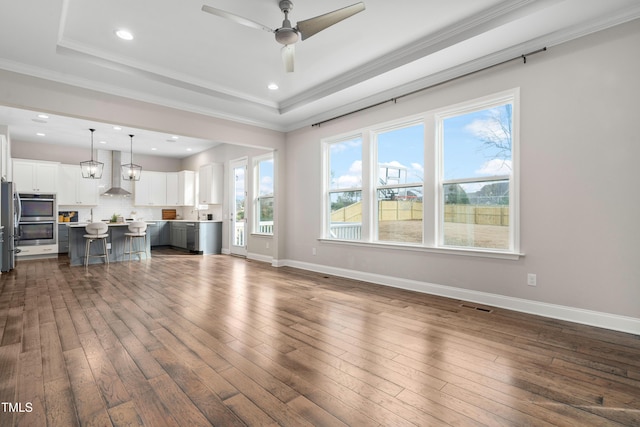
column 235, row 249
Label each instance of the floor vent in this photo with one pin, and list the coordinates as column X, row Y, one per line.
column 473, row 307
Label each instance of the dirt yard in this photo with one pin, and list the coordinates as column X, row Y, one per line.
column 455, row 234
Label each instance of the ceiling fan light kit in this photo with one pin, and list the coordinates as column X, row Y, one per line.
column 288, row 35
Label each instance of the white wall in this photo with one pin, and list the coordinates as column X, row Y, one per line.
column 579, row 182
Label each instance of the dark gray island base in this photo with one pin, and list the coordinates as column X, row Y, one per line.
column 115, row 245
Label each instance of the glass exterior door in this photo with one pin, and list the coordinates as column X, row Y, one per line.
column 238, row 244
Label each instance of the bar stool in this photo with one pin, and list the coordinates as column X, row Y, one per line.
column 95, row 231
column 137, row 230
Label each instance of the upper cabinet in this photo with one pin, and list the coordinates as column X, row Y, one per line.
column 151, row 190
column 73, row 189
column 165, row 189
column 4, row 158
column 181, row 188
column 210, row 179
column 32, row 176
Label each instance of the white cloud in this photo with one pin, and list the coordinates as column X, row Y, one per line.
column 353, row 178
column 349, row 181
column 393, row 164
column 345, row 145
column 487, row 129
column 266, row 185
column 356, row 167
column 495, row 167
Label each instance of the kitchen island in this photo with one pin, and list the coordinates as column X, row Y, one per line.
column 115, row 244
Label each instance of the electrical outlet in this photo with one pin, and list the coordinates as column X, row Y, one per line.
column 267, row 245
column 313, row 251
column 531, row 279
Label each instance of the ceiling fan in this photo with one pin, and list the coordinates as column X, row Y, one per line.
column 288, row 35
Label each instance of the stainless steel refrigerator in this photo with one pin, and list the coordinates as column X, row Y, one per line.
column 9, row 218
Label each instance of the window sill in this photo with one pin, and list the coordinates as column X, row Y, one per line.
column 265, row 235
column 483, row 253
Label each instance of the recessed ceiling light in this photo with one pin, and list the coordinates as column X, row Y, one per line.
column 43, row 116
column 154, row 149
column 103, row 142
column 273, row 86
column 40, row 134
column 124, row 34
column 174, row 137
column 117, row 128
column 188, row 149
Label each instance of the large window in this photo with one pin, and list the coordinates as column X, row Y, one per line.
column 400, row 176
column 477, row 166
column 263, row 206
column 344, row 183
column 444, row 180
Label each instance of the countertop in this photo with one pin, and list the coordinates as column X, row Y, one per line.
column 110, row 224
column 151, row 222
column 188, row 220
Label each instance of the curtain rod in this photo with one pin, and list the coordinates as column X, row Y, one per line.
column 395, row 99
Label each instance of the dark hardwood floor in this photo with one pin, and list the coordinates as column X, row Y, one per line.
column 185, row 340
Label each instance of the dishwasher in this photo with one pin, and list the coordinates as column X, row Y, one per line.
column 193, row 237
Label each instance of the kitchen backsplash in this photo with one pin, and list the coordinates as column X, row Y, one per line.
column 123, row 206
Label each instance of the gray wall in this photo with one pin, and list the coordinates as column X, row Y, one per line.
column 579, row 149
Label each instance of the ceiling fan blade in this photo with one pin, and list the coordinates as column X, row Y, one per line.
column 236, row 18
column 312, row 26
column 288, row 56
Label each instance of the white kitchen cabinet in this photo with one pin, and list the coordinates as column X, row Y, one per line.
column 211, row 184
column 151, row 190
column 4, row 158
column 181, row 188
column 73, row 189
column 173, row 198
column 187, row 188
column 33, row 176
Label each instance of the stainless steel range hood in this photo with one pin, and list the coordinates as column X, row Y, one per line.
column 116, row 180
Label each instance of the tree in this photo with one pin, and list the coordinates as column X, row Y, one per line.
column 496, row 135
column 345, row 199
column 455, row 195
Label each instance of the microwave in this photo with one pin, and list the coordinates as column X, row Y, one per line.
column 37, row 207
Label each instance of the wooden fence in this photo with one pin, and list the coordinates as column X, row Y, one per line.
column 407, row 210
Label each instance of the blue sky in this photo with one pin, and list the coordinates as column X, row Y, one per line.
column 465, row 155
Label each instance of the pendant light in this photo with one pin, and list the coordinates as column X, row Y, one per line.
column 130, row 171
column 91, row 169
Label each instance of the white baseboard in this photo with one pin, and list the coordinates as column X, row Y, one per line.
column 577, row 315
column 260, row 257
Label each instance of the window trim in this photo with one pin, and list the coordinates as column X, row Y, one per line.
column 256, row 192
column 433, row 181
column 326, row 180
column 485, row 102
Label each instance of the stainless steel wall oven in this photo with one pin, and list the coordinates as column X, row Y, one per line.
column 37, row 223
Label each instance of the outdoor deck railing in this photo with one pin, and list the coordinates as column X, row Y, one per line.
column 346, row 231
column 264, row 227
